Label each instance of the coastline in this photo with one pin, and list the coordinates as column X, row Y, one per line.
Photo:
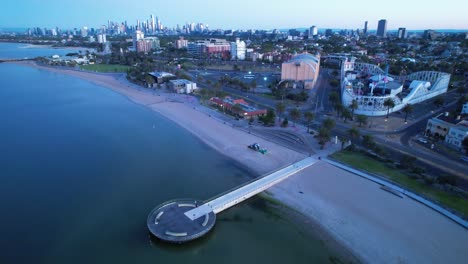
column 354, row 213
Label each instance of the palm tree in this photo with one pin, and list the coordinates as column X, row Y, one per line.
column 280, row 107
column 323, row 137
column 295, row 114
column 407, row 110
column 368, row 141
column 334, row 98
column 439, row 101
column 362, row 119
column 346, row 114
column 309, row 116
column 353, row 133
column 339, row 107
column 328, row 123
column 343, row 141
column 353, row 106
column 389, row 103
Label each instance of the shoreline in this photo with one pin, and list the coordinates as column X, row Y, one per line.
column 359, row 218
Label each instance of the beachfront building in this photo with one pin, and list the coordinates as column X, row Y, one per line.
column 238, row 50
column 371, row 86
column 302, row 68
column 452, row 129
column 243, row 110
column 147, row 44
column 210, row 48
column 182, row 86
column 162, row 77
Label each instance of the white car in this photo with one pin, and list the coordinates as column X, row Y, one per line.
column 422, row 140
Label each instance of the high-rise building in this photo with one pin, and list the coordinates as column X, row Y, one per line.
column 84, row 32
column 137, row 36
column 402, row 33
column 238, row 50
column 313, row 31
column 181, row 43
column 365, row 28
column 153, row 24
column 382, row 28
column 101, row 38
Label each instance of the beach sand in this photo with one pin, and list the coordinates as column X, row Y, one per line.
column 376, row 226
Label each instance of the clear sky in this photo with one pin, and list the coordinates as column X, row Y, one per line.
column 243, row 14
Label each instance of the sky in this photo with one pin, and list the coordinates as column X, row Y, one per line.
column 238, row 14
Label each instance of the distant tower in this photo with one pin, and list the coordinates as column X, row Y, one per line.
column 313, row 31
column 365, row 28
column 402, row 34
column 153, row 24
column 382, row 28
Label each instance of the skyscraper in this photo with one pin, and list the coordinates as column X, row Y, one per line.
column 365, row 28
column 402, row 34
column 153, row 24
column 382, row 28
column 313, row 31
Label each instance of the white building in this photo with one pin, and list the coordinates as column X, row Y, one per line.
column 101, row 38
column 456, row 134
column 84, row 32
column 238, row 50
column 137, row 36
column 465, row 109
column 313, row 31
column 182, row 86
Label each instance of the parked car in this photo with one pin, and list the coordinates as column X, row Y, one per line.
column 422, row 140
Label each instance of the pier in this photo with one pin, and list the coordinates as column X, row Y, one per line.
column 181, row 221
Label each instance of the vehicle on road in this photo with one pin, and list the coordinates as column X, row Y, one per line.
column 422, row 140
column 464, row 158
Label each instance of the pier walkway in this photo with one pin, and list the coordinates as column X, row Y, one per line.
column 181, row 221
column 236, row 196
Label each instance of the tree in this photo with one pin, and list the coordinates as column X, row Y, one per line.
column 328, row 123
column 407, row 162
column 465, row 144
column 368, row 141
column 280, row 107
column 353, row 106
column 362, row 119
column 353, row 133
column 334, row 98
column 343, row 141
column 439, row 101
column 149, row 81
column 294, row 114
column 346, row 114
column 269, row 118
column 339, row 109
column 323, row 137
column 217, row 88
column 461, row 91
column 408, row 109
column 309, row 116
column 389, row 103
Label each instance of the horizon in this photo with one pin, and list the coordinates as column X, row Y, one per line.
column 262, row 14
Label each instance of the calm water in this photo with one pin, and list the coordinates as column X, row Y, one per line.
column 81, row 167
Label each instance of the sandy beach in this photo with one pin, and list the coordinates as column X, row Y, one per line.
column 374, row 225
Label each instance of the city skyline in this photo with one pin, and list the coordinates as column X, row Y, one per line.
column 251, row 15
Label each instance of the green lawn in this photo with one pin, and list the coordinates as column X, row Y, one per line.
column 360, row 161
column 105, row 67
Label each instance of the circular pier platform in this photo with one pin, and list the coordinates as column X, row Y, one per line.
column 168, row 222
